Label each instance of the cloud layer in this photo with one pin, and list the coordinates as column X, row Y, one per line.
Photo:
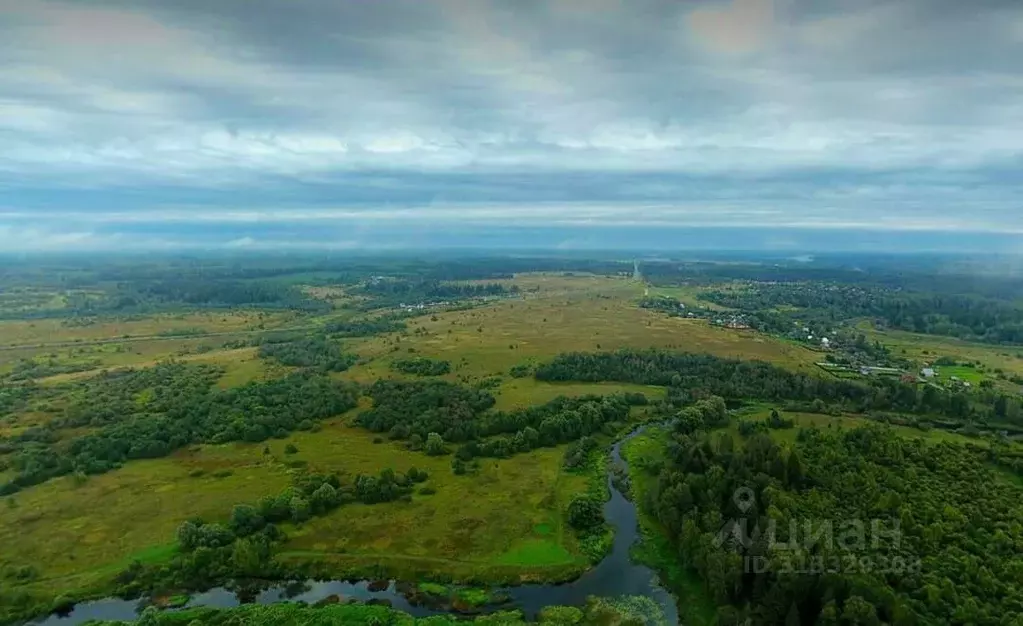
column 902, row 115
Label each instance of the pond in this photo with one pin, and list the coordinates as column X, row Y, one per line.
column 614, row 576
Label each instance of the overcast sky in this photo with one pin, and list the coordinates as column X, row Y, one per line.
column 351, row 123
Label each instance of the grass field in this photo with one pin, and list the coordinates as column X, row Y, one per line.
column 51, row 331
column 510, row 514
column 690, row 296
column 491, row 339
column 78, row 535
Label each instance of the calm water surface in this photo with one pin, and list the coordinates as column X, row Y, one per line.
column 616, row 575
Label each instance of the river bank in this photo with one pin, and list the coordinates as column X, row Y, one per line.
column 616, row 575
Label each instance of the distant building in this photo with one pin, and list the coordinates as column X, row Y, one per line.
column 826, row 343
column 928, row 372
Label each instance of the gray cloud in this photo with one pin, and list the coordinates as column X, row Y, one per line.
column 904, row 114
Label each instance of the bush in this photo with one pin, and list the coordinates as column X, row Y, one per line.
column 435, row 445
column 422, row 366
column 585, row 513
column 520, row 371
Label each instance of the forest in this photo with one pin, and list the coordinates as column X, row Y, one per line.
column 313, row 352
column 844, row 527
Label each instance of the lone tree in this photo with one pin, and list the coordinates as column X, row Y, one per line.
column 435, row 445
column 584, row 513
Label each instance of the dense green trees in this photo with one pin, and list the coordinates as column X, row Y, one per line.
column 439, row 412
column 578, row 453
column 364, row 328
column 13, row 398
column 422, row 366
column 851, row 527
column 152, row 412
column 394, row 291
column 699, row 374
column 315, row 352
column 424, row 407
column 585, row 513
column 435, row 445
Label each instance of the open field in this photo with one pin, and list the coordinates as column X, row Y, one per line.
column 491, row 339
column 49, row 331
column 927, row 348
column 78, row 535
column 241, row 365
column 509, row 514
column 690, row 296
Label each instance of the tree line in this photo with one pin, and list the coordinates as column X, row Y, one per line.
column 364, row 328
column 429, row 415
column 314, row 352
column 693, row 375
column 394, row 291
column 422, row 366
column 150, row 413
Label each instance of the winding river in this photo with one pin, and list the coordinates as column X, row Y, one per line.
column 615, row 576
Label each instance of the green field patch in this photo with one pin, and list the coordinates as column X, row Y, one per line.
column 581, row 314
column 78, row 535
column 972, row 375
column 536, row 552
column 433, row 589
column 928, row 348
